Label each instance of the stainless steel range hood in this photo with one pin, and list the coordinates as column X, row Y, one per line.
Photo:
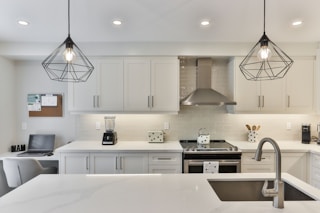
column 204, row 94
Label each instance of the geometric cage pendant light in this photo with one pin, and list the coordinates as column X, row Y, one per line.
column 67, row 63
column 265, row 61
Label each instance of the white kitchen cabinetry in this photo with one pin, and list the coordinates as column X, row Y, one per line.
column 165, row 163
column 295, row 164
column 111, row 163
column 315, row 170
column 250, row 165
column 300, row 86
column 292, row 94
column 151, row 84
column 103, row 91
column 74, row 163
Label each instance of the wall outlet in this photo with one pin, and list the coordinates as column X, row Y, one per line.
column 166, row 125
column 289, row 126
column 24, row 126
column 98, row 125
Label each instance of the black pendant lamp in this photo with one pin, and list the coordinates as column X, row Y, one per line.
column 67, row 63
column 265, row 61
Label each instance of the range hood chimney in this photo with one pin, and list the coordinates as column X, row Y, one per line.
column 204, row 94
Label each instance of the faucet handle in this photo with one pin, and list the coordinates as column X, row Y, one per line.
column 268, row 192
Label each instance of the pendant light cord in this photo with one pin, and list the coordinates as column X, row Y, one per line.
column 264, row 16
column 69, row 18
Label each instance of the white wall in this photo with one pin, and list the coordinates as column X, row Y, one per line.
column 31, row 78
column 8, row 103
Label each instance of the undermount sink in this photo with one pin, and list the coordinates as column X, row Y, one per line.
column 250, row 190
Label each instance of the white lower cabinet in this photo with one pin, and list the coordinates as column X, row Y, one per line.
column 119, row 162
column 111, row 163
column 74, row 163
column 315, row 170
column 165, row 163
column 250, row 165
column 295, row 164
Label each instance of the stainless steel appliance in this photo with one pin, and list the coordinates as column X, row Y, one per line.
column 195, row 155
column 306, row 133
column 110, row 136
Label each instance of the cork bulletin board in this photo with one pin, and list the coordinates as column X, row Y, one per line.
column 45, row 105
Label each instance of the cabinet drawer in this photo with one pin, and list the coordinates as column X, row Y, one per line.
column 248, row 158
column 165, row 169
column 165, row 158
column 257, row 168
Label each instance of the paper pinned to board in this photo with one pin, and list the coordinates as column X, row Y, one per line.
column 211, row 167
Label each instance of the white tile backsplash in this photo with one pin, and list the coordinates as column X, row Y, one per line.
column 189, row 120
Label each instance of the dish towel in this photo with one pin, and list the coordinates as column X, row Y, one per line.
column 211, row 167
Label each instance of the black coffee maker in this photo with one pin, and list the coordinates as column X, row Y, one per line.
column 306, row 133
column 110, row 136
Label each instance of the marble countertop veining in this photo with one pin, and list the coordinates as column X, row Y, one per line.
column 156, row 193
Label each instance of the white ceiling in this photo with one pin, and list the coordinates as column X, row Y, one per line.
column 159, row 20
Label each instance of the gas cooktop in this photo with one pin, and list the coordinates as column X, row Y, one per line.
column 216, row 146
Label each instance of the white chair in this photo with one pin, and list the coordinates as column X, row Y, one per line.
column 20, row 170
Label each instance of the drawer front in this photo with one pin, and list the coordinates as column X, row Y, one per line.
column 165, row 158
column 165, row 169
column 257, row 168
column 248, row 158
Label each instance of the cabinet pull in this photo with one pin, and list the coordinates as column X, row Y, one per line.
column 262, row 101
column 120, row 163
column 288, row 101
column 164, row 158
column 98, row 101
column 116, row 163
column 152, row 101
column 87, row 162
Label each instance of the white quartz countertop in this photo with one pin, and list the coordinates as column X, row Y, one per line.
column 176, row 193
column 121, row 146
column 285, row 146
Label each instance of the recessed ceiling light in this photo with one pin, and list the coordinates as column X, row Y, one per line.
column 23, row 23
column 296, row 23
column 205, row 22
column 117, row 22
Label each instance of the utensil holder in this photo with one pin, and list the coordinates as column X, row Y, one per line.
column 252, row 136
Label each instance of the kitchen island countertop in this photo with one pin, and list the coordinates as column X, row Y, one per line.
column 185, row 193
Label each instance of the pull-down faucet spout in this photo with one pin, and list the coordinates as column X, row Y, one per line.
column 278, row 191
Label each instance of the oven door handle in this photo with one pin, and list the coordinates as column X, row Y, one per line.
column 221, row 162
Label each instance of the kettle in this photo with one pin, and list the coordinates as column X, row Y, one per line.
column 203, row 136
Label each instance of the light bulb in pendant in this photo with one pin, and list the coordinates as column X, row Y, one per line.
column 69, row 54
column 264, row 53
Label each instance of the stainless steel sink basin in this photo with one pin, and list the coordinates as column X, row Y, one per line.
column 251, row 191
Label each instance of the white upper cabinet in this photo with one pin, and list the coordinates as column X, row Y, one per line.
column 300, row 86
column 133, row 84
column 292, row 94
column 151, row 85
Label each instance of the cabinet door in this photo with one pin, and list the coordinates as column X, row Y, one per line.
column 299, row 80
column 111, row 85
column 74, row 163
column 82, row 96
column 295, row 164
column 103, row 163
column 165, row 84
column 272, row 95
column 134, row 163
column 137, row 84
column 247, row 93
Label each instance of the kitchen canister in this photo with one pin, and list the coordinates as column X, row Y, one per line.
column 252, row 136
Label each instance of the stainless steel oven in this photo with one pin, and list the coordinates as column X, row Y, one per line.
column 194, row 156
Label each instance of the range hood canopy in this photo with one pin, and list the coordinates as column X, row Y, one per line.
column 204, row 94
